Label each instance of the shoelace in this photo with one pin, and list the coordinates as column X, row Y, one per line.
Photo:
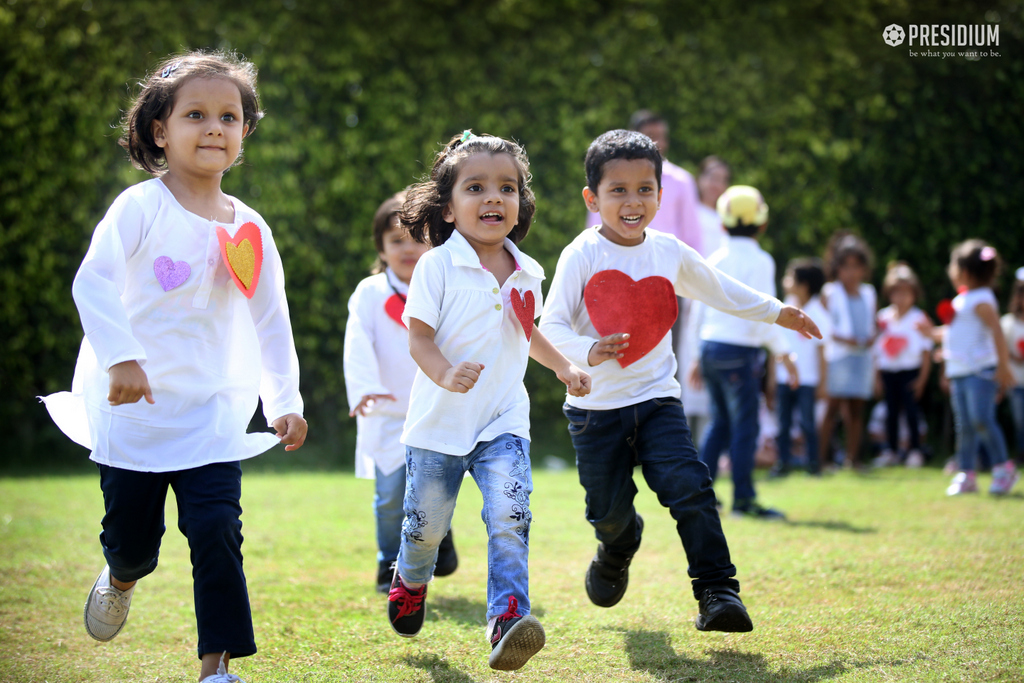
column 112, row 600
column 408, row 601
column 513, row 607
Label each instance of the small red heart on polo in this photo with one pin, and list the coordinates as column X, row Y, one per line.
column 243, row 256
column 395, row 307
column 1020, row 348
column 523, row 306
column 644, row 309
column 894, row 345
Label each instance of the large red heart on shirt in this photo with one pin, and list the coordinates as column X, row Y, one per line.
column 644, row 309
column 243, row 256
column 944, row 311
column 894, row 345
column 395, row 307
column 523, row 307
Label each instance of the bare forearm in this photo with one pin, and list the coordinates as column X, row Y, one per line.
column 545, row 353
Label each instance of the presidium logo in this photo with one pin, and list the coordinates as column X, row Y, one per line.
column 943, row 35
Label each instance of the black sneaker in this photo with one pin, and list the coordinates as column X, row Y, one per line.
column 515, row 639
column 755, row 510
column 722, row 610
column 447, row 559
column 608, row 574
column 406, row 608
column 385, row 573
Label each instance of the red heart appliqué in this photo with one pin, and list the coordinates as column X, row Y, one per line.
column 243, row 256
column 944, row 311
column 894, row 345
column 523, row 306
column 645, row 310
column 1020, row 348
column 395, row 307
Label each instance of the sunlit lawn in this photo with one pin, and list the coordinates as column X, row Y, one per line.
column 876, row 577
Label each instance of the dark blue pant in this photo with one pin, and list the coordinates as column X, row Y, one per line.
column 655, row 436
column 208, row 516
column 732, row 374
column 801, row 398
column 899, row 397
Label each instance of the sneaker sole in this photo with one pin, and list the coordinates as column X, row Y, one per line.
column 729, row 621
column 85, row 616
column 517, row 647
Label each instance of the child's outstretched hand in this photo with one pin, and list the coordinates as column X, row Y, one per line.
column 291, row 429
column 793, row 318
column 128, row 383
column 577, row 382
column 607, row 348
column 366, row 402
column 462, row 377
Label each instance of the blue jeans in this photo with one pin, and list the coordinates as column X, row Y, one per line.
column 974, row 414
column 1017, row 410
column 654, row 435
column 389, row 510
column 732, row 374
column 209, row 517
column 802, row 398
column 501, row 469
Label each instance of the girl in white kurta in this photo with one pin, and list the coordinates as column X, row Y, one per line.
column 181, row 296
column 378, row 378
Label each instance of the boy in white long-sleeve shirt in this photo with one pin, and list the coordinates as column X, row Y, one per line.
column 613, row 298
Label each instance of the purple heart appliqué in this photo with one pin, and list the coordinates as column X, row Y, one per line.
column 170, row 274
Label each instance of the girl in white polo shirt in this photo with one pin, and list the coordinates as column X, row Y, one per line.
column 470, row 313
column 182, row 300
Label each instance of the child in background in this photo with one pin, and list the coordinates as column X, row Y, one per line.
column 851, row 305
column 802, row 283
column 1013, row 330
column 903, row 356
column 470, row 314
column 977, row 364
column 378, row 378
column 611, row 305
column 731, row 362
column 201, row 331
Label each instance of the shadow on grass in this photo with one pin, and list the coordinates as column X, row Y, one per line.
column 439, row 669
column 465, row 611
column 651, row 651
column 834, row 525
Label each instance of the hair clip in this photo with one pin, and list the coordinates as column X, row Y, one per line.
column 168, row 70
column 467, row 135
column 988, row 253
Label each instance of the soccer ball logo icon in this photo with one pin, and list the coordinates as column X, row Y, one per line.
column 893, row 35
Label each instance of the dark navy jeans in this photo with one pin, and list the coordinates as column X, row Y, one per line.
column 654, row 435
column 802, row 399
column 209, row 517
column 732, row 375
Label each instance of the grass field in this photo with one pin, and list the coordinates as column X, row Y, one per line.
column 876, row 577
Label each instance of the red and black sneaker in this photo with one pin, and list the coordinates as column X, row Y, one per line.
column 514, row 639
column 406, row 608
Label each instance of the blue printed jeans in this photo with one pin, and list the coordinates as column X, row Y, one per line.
column 389, row 510
column 501, row 469
column 732, row 375
column 974, row 414
column 654, row 435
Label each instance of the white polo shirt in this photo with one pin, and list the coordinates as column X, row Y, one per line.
column 473, row 320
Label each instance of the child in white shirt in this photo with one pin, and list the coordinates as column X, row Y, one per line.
column 470, row 313
column 1013, row 329
column 378, row 379
column 182, row 299
column 611, row 305
column 903, row 358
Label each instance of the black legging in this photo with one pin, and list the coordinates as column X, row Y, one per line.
column 899, row 396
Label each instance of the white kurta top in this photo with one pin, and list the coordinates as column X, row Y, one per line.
column 377, row 361
column 566, row 322
column 473, row 320
column 207, row 350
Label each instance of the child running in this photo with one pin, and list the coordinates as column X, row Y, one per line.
column 470, row 314
column 182, row 299
column 1013, row 330
column 378, row 377
column 611, row 305
column 903, row 356
column 978, row 367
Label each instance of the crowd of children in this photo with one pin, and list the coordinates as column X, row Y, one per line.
column 181, row 296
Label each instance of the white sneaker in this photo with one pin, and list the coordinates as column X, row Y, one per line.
column 222, row 675
column 886, row 459
column 963, row 482
column 106, row 608
column 915, row 459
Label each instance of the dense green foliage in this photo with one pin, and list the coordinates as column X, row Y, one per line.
column 803, row 97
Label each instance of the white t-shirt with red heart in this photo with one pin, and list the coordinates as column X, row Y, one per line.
column 899, row 344
column 602, row 288
column 1013, row 330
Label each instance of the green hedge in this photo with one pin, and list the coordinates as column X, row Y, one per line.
column 803, row 98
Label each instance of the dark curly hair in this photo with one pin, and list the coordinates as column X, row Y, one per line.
column 423, row 212
column 619, row 144
column 156, row 99
column 843, row 245
column 977, row 259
